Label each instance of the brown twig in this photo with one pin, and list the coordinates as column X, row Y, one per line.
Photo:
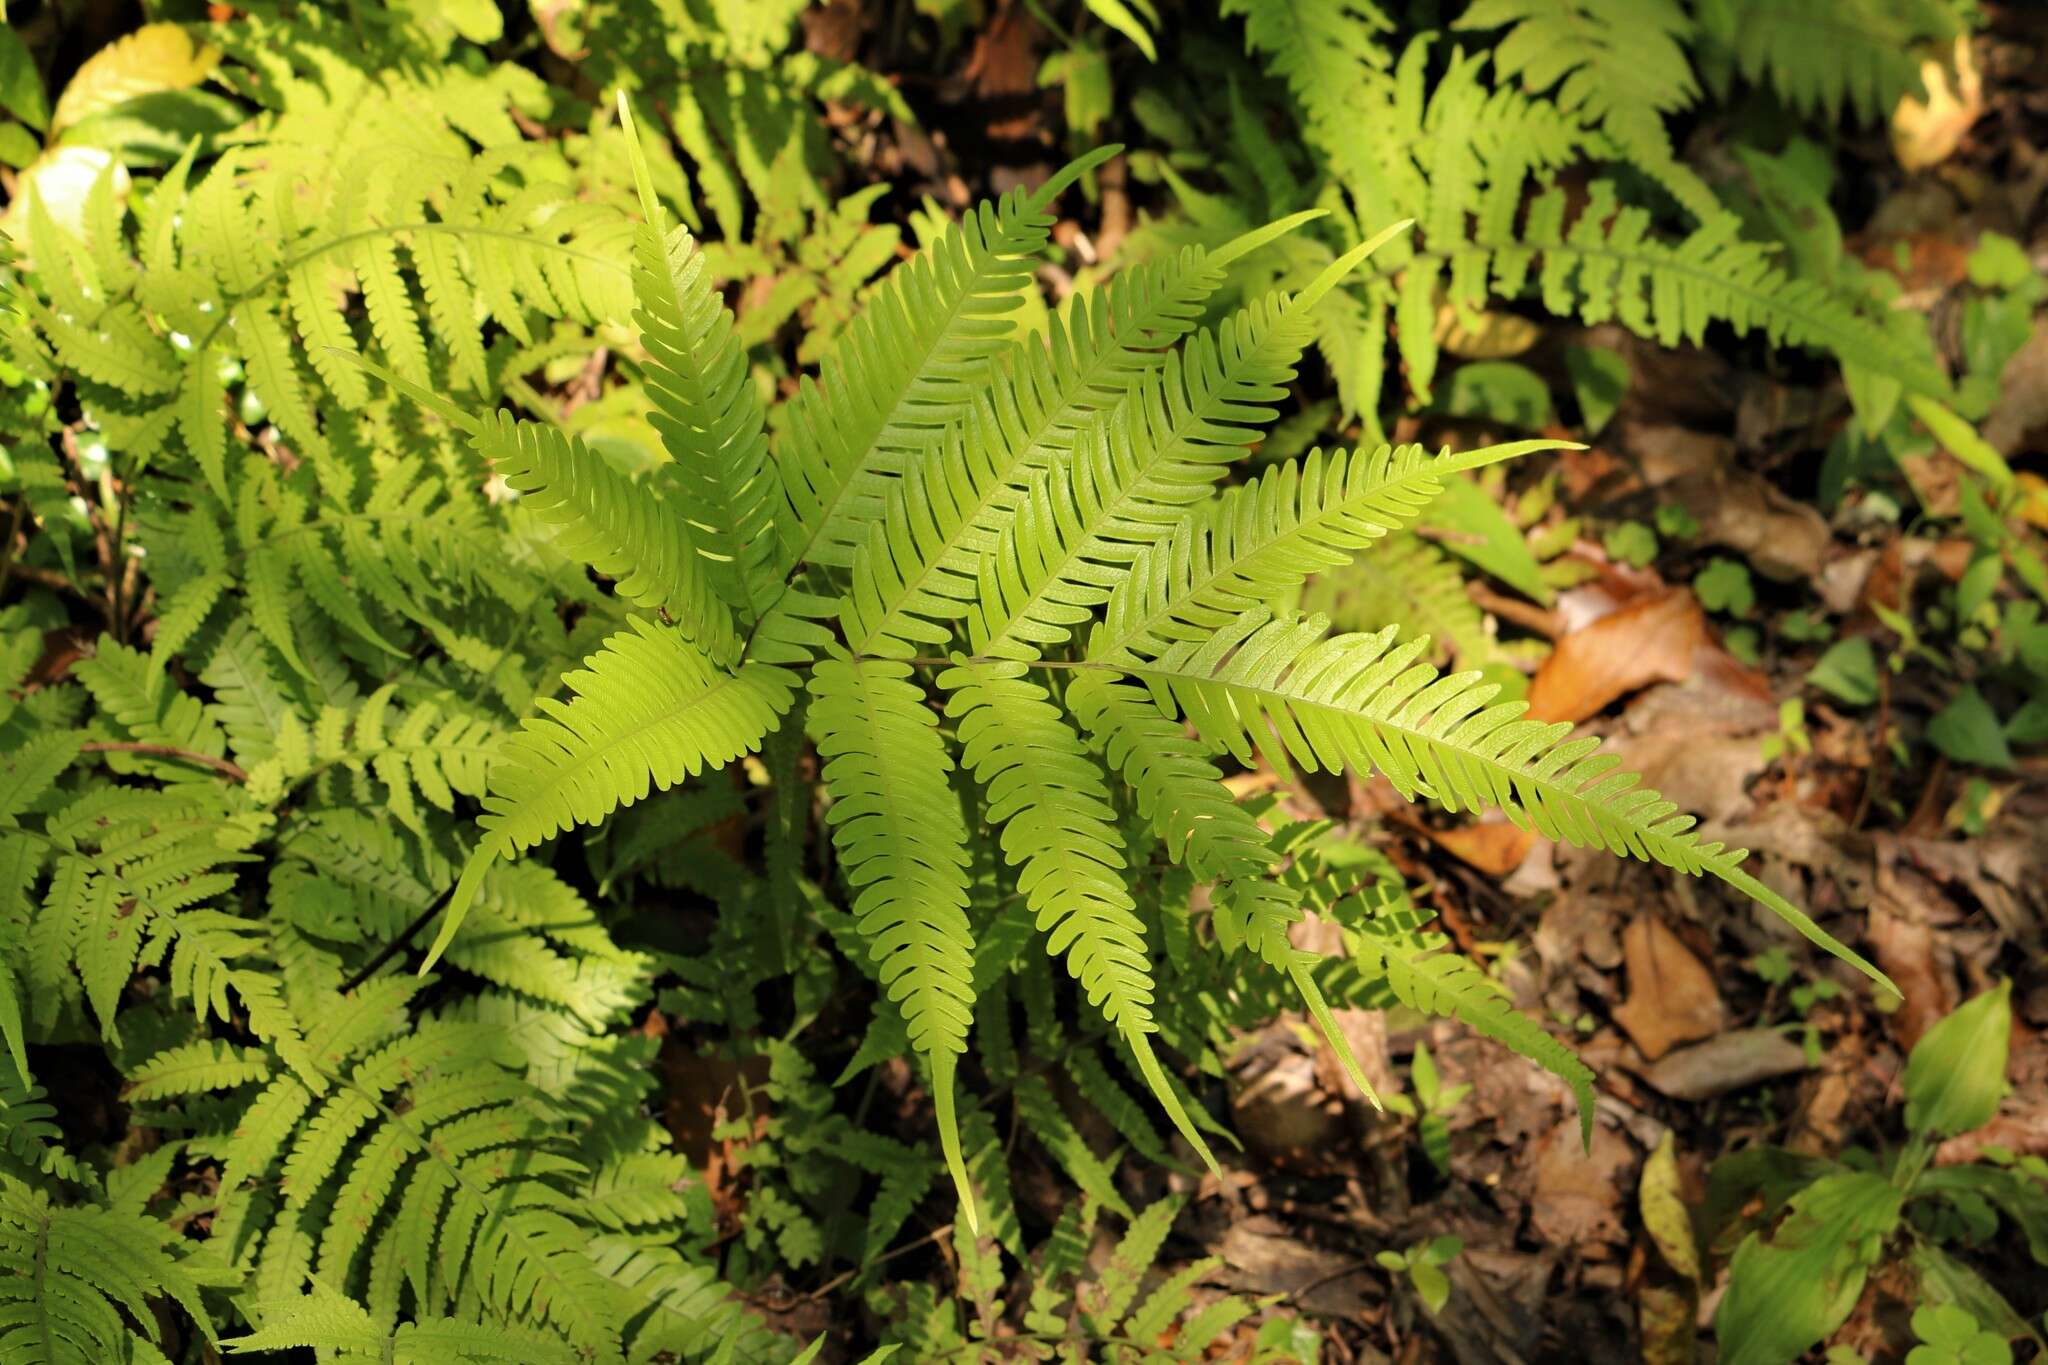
column 232, row 771
column 1527, row 615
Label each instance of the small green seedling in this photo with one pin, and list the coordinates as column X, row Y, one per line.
column 1433, row 1101
column 1424, row 1263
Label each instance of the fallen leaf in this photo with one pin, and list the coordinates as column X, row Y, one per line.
column 1261, row 1257
column 1927, row 132
column 1277, row 1102
column 1665, row 1216
column 1495, row 847
column 1484, row 335
column 1902, row 939
column 1667, row 1318
column 1578, row 1193
column 1672, row 998
column 1652, row 639
column 2022, row 405
column 1725, row 1062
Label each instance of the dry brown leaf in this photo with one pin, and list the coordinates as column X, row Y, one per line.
column 1578, row 1194
column 1725, row 1062
column 1927, row 132
column 1260, row 1256
column 1495, row 848
column 1652, row 639
column 1671, row 996
column 2021, row 409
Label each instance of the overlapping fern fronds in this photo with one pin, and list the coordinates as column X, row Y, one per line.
column 956, row 509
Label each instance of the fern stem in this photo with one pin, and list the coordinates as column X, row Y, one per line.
column 396, row 945
column 232, row 771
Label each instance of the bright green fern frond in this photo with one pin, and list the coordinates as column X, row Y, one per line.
column 1051, row 799
column 77, row 1281
column 649, row 710
column 1248, row 547
column 705, row 404
column 1177, row 787
column 897, row 824
column 333, row 1323
column 1405, row 581
column 634, row 531
column 1862, row 55
column 1620, row 64
column 1138, row 467
column 1452, row 985
column 1358, row 703
column 906, row 368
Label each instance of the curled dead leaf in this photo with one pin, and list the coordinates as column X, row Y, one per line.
column 1652, row 639
column 1672, row 997
column 1665, row 1216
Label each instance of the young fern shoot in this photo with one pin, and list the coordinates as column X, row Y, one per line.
column 1012, row 556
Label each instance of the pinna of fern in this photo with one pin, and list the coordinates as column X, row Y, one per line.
column 978, row 551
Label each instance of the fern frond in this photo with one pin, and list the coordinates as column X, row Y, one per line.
column 905, row 369
column 649, row 710
column 334, row 1323
column 1050, row 797
column 705, row 404
column 1859, row 55
column 1406, row 581
column 632, row 532
column 1139, row 467
column 1452, row 985
column 79, row 1281
column 1248, row 547
column 1620, row 64
column 1358, row 703
column 916, row 566
column 897, row 825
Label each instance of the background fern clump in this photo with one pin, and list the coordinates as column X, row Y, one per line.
column 486, row 666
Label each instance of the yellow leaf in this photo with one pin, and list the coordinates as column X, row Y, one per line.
column 1664, row 1213
column 154, row 58
column 2033, row 499
column 1484, row 335
column 1926, row 132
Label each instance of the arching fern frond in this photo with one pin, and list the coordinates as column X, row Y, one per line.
column 1858, row 55
column 1139, row 466
column 1358, row 703
column 1049, row 796
column 635, row 532
column 339, row 1325
column 1446, row 983
column 1618, row 64
column 897, row 825
column 705, row 404
column 649, row 710
column 1257, row 541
